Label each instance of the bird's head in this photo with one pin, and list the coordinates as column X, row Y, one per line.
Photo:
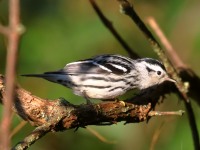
column 151, row 72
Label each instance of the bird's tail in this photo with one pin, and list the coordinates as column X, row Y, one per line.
column 46, row 74
column 55, row 76
column 35, row 75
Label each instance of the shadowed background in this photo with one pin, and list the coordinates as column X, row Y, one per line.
column 59, row 32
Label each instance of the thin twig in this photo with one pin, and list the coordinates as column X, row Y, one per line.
column 177, row 63
column 18, row 128
column 31, row 138
column 194, row 81
column 173, row 56
column 109, row 25
column 100, row 137
column 166, row 113
column 128, row 9
column 156, row 136
column 12, row 53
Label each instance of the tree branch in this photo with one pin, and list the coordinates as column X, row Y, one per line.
column 182, row 87
column 185, row 72
column 59, row 115
column 128, row 9
column 178, row 63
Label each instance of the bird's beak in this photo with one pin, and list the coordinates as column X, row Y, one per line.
column 170, row 80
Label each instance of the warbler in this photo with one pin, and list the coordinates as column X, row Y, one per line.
column 108, row 76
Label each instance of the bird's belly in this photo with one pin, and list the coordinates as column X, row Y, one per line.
column 98, row 87
column 99, row 93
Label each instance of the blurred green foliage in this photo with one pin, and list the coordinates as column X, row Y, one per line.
column 58, row 32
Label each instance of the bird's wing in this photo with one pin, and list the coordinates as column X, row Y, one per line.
column 103, row 64
column 82, row 67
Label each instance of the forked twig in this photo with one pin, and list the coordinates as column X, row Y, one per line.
column 177, row 63
column 128, row 9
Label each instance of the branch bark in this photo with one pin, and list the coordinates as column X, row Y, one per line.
column 59, row 115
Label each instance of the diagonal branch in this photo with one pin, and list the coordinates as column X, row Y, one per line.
column 186, row 73
column 178, row 63
column 128, row 9
column 32, row 137
column 173, row 56
column 110, row 27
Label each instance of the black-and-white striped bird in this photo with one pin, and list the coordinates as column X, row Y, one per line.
column 108, row 76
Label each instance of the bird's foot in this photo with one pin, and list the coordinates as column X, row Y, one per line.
column 88, row 102
column 120, row 101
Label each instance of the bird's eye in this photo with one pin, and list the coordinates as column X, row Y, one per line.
column 158, row 72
